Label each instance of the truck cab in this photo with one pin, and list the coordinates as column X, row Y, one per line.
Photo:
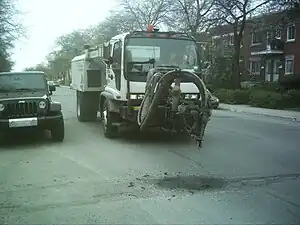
column 111, row 78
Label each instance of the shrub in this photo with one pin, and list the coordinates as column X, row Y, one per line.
column 290, row 82
column 266, row 99
column 292, row 98
column 241, row 96
column 274, row 87
column 224, row 95
column 257, row 97
column 238, row 96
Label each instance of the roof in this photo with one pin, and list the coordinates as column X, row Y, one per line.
column 78, row 58
column 22, row 72
column 120, row 36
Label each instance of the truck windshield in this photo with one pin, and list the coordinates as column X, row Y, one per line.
column 22, row 82
column 166, row 52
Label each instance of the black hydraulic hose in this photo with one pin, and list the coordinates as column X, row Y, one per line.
column 148, row 98
column 160, row 84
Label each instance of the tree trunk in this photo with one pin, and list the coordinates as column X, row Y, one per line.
column 236, row 77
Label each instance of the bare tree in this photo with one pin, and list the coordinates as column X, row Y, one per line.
column 44, row 67
column 281, row 5
column 235, row 13
column 147, row 12
column 191, row 15
column 10, row 30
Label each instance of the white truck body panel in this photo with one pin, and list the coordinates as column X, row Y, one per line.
column 139, row 87
column 78, row 70
column 80, row 64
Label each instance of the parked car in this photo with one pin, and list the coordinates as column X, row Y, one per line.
column 57, row 84
column 27, row 103
column 52, row 86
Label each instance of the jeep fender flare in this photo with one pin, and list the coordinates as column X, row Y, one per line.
column 55, row 106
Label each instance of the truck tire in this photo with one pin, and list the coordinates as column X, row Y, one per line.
column 58, row 129
column 86, row 106
column 107, row 118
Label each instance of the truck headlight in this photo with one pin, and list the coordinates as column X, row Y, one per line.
column 2, row 107
column 191, row 96
column 133, row 96
column 136, row 96
column 42, row 104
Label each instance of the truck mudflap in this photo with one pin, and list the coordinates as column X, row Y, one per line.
column 194, row 114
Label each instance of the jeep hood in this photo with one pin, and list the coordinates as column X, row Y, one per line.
column 22, row 95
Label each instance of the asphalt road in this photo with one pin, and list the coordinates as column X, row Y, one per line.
column 248, row 171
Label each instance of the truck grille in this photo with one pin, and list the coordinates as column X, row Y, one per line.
column 21, row 109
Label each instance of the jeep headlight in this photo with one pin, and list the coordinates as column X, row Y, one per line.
column 42, row 104
column 136, row 96
column 2, row 107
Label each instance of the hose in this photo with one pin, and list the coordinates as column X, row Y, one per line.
column 156, row 88
column 148, row 98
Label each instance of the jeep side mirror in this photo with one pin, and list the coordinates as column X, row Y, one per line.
column 52, row 88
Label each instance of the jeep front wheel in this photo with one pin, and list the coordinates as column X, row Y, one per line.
column 58, row 129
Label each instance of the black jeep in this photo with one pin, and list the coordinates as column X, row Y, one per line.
column 25, row 102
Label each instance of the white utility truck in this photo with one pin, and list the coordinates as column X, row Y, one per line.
column 111, row 78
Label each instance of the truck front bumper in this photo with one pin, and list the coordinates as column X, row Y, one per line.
column 43, row 122
column 130, row 114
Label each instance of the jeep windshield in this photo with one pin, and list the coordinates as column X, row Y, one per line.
column 22, row 82
column 167, row 52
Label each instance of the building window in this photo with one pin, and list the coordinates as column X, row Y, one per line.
column 216, row 40
column 289, row 65
column 276, row 70
column 255, row 67
column 268, row 35
column 277, row 65
column 291, row 33
column 256, row 38
column 225, row 41
column 231, row 39
column 278, row 33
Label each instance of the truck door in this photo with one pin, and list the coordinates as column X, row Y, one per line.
column 115, row 68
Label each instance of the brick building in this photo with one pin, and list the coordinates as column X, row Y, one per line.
column 270, row 47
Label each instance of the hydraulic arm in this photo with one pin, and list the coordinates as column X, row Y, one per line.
column 194, row 114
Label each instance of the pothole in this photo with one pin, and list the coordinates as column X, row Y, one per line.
column 193, row 183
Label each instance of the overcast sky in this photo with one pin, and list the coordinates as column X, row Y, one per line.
column 46, row 20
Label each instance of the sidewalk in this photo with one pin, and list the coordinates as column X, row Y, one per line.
column 283, row 114
column 64, row 86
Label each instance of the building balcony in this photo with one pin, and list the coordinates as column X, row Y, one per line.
column 271, row 47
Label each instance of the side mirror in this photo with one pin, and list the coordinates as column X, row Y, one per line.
column 109, row 60
column 52, row 88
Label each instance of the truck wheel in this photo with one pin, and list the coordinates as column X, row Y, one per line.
column 107, row 119
column 58, row 129
column 86, row 106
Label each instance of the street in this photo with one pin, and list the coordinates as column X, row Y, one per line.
column 248, row 171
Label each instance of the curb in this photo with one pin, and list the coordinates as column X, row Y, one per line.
column 290, row 118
